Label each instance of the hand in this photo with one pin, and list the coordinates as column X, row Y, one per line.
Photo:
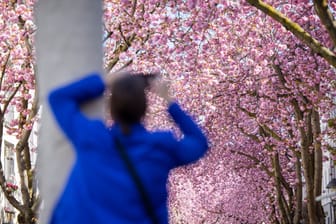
column 161, row 88
column 110, row 78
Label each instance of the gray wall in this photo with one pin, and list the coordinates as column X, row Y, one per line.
column 69, row 45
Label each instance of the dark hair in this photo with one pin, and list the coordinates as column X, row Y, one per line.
column 128, row 101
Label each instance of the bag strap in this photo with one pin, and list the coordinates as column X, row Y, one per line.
column 137, row 181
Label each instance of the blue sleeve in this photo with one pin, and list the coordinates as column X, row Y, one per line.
column 65, row 104
column 194, row 144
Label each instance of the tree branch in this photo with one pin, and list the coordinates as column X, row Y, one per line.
column 7, row 194
column 23, row 185
column 121, row 48
column 297, row 30
column 250, row 114
column 134, row 5
column 280, row 180
column 252, row 136
column 3, row 71
column 255, row 160
column 267, row 129
column 270, row 132
column 109, row 34
column 326, row 17
column 6, row 104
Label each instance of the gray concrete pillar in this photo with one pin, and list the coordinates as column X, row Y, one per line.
column 69, row 45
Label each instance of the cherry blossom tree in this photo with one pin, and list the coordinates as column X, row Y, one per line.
column 18, row 104
column 182, row 52
column 316, row 30
column 259, row 88
column 258, row 91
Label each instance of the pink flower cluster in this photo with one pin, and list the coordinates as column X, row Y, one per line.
column 8, row 210
column 11, row 187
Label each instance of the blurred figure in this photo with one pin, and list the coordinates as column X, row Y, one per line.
column 120, row 172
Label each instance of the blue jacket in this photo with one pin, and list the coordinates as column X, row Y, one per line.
column 100, row 189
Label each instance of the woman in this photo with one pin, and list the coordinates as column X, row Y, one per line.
column 101, row 188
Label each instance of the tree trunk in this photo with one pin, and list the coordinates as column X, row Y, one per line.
column 279, row 195
column 309, row 177
column 317, row 164
column 298, row 192
column 306, row 135
column 27, row 217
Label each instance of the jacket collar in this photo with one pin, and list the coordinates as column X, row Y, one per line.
column 135, row 128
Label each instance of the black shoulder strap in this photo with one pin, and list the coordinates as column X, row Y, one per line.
column 137, row 181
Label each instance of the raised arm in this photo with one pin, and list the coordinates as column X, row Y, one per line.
column 194, row 144
column 65, row 103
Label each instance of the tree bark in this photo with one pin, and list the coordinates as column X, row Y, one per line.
column 326, row 17
column 279, row 196
column 317, row 162
column 307, row 159
column 298, row 191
